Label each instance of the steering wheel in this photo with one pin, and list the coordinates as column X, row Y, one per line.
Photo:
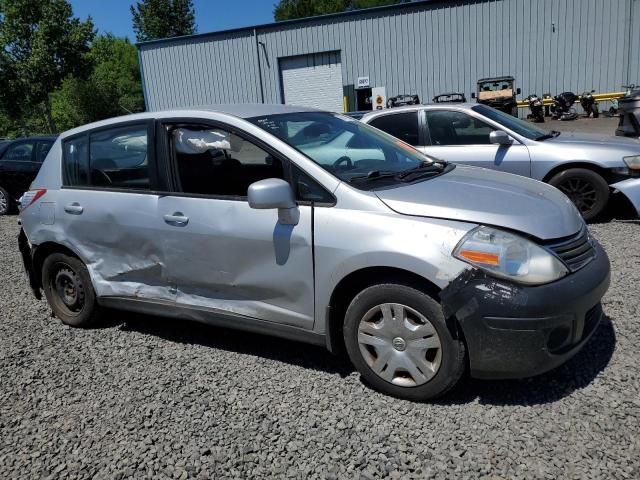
column 344, row 159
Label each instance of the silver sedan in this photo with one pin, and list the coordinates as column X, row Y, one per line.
column 587, row 168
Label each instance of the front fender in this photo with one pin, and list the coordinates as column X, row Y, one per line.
column 630, row 188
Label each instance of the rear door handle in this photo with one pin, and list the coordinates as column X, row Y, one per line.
column 74, row 209
column 177, row 219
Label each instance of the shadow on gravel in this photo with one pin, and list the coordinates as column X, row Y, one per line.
column 577, row 373
column 550, row 387
column 272, row 348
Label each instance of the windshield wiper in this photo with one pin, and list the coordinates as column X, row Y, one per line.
column 374, row 175
column 426, row 168
column 547, row 136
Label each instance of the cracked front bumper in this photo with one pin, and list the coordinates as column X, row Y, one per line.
column 517, row 331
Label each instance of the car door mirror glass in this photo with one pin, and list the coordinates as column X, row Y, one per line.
column 499, row 137
column 274, row 193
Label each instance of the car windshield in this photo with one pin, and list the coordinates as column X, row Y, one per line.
column 512, row 123
column 349, row 149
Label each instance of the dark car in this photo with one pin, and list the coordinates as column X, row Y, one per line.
column 20, row 161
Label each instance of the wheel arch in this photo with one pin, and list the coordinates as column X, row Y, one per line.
column 603, row 172
column 353, row 283
column 42, row 251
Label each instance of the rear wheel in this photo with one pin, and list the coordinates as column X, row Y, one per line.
column 5, row 202
column 397, row 338
column 68, row 289
column 585, row 188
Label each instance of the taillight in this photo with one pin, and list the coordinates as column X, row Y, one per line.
column 31, row 197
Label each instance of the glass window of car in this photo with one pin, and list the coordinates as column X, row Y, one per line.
column 307, row 189
column 75, row 162
column 400, row 125
column 219, row 163
column 512, row 123
column 345, row 147
column 448, row 127
column 19, row 152
column 42, row 149
column 118, row 158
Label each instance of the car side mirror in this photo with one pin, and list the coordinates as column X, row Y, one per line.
column 518, row 91
column 275, row 193
column 473, row 94
column 499, row 137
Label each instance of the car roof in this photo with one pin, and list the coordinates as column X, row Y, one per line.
column 242, row 110
column 424, row 106
column 37, row 137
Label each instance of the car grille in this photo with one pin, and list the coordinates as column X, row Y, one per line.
column 575, row 251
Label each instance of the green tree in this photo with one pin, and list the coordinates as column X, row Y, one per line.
column 113, row 88
column 290, row 9
column 41, row 44
column 153, row 19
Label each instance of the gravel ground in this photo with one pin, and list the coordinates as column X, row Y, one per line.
column 150, row 398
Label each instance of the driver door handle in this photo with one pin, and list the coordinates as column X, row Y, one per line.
column 176, row 220
column 74, row 208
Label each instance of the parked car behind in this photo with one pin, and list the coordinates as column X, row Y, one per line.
column 587, row 168
column 314, row 226
column 20, row 161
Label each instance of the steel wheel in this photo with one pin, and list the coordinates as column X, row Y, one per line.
column 399, row 344
column 68, row 289
column 581, row 192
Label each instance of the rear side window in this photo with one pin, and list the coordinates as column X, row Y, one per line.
column 116, row 158
column 41, row 150
column 400, row 125
column 75, row 164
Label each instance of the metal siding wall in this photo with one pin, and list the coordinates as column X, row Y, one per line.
column 423, row 49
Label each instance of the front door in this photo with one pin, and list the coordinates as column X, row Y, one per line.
column 458, row 137
column 226, row 257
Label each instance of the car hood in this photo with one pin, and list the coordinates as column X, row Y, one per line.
column 488, row 197
column 593, row 139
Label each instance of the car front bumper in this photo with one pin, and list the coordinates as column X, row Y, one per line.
column 517, row 331
column 630, row 188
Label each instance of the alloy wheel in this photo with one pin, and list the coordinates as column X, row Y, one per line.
column 581, row 192
column 399, row 344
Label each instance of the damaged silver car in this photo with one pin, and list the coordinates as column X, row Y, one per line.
column 316, row 227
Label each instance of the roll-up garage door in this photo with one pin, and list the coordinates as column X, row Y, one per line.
column 313, row 81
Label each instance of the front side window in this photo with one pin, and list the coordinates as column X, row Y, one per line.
column 448, row 127
column 521, row 127
column 351, row 150
column 219, row 163
column 117, row 158
column 400, row 125
column 19, row 152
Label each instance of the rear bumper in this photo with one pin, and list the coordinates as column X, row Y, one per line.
column 515, row 331
column 27, row 262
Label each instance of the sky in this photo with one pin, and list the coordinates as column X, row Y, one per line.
column 211, row 15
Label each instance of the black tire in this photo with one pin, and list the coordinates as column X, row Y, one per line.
column 451, row 356
column 596, row 111
column 585, row 188
column 6, row 202
column 67, row 286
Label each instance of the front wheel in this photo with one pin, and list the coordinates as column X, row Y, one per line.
column 588, row 191
column 69, row 291
column 397, row 338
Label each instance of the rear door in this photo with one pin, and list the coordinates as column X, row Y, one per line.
column 108, row 210
column 226, row 257
column 456, row 136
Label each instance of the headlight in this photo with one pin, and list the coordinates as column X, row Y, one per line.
column 633, row 162
column 509, row 256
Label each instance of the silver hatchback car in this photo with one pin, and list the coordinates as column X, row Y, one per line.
column 587, row 168
column 316, row 227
